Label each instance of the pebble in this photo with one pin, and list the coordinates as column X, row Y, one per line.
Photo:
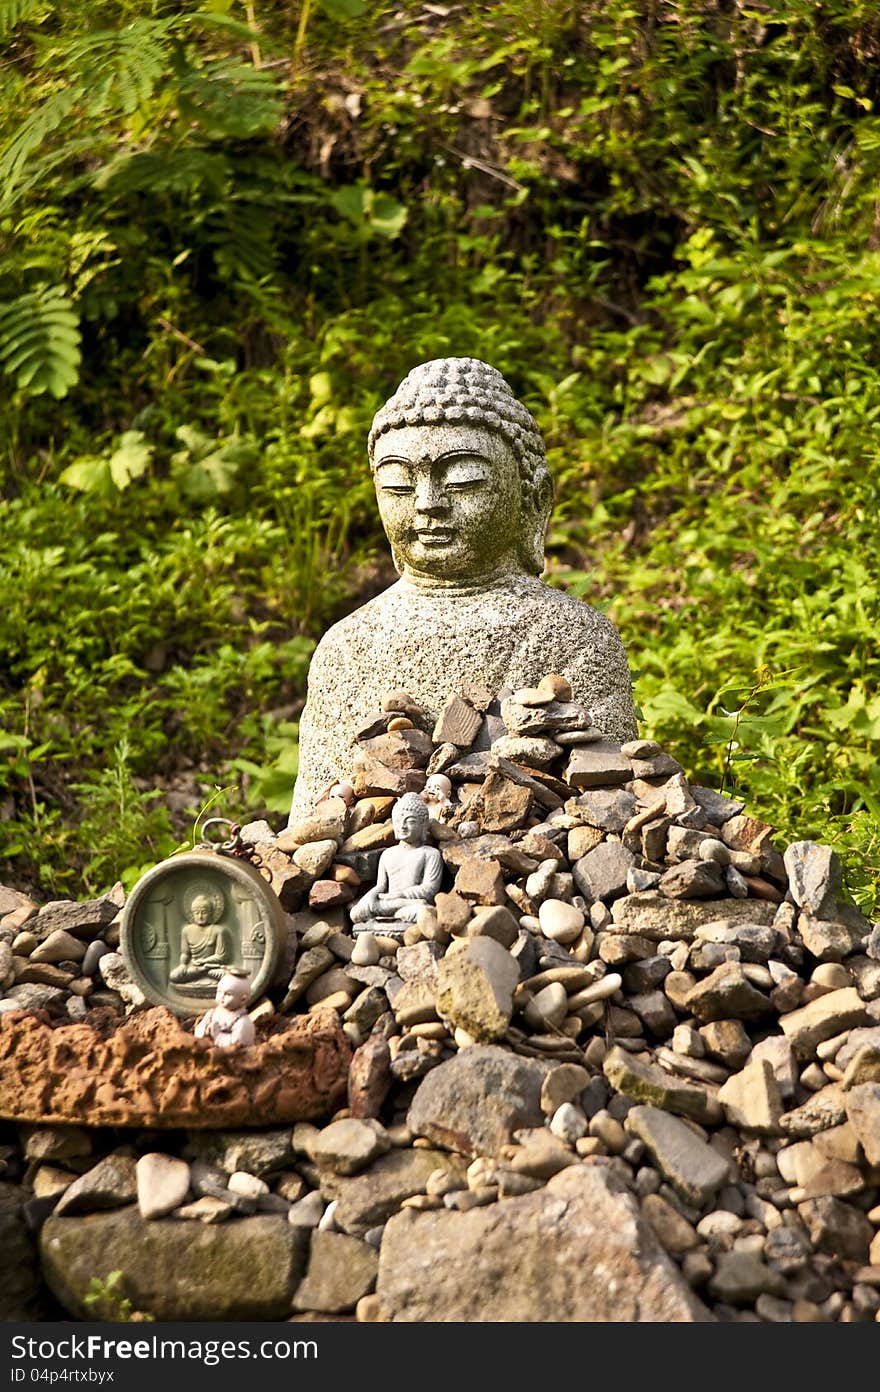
column 365, row 952
column 610, row 1132
column 59, row 946
column 562, row 1084
column 247, row 1185
column 560, row 921
column 162, row 1184
column 600, row 990
column 327, row 1221
column 548, row 1007
column 569, row 1123
column 306, row 1212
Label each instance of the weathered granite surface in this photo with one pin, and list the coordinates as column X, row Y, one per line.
column 464, row 494
column 172, row 1270
column 576, row 1251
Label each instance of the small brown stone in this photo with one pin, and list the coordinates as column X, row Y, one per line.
column 327, row 894
column 480, row 881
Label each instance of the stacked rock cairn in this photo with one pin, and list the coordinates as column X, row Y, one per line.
column 626, row 997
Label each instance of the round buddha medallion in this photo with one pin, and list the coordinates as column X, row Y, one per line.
column 191, row 919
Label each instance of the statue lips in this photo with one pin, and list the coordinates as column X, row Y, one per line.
column 435, row 536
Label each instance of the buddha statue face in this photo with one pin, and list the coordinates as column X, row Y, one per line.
column 449, row 499
column 461, row 476
column 202, row 910
column 410, row 818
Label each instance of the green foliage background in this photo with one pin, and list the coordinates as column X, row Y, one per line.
column 227, row 231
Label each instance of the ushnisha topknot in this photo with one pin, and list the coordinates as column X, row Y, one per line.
column 466, row 391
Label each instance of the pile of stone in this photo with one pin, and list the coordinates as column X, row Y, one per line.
column 630, row 1031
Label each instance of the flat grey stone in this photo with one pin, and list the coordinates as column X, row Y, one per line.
column 576, row 1250
column 823, row 1018
column 81, row 920
column 257, row 1152
column 608, row 809
column 718, row 808
column 597, row 765
column 751, row 1099
column 863, row 1111
column 369, row 1198
column 636, row 1077
column 833, row 938
column 341, row 1269
column 692, row 879
column 348, row 1145
column 741, row 1277
column 695, row 1171
column 602, row 872
column 757, row 942
column 727, row 994
column 550, row 718
column 815, row 876
column 474, row 1102
column 535, row 751
column 246, row 1269
column 109, row 1184
column 29, row 996
column 55, row 1142
column 836, row 1227
column 651, row 915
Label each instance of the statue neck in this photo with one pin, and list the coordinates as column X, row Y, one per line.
column 501, row 577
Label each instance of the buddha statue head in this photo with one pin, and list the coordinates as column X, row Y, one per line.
column 410, row 818
column 461, row 476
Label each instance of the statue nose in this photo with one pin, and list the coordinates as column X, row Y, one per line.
column 430, row 497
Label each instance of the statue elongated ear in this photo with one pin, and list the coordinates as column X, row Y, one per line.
column 536, row 507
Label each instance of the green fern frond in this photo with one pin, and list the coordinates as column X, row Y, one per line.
column 241, row 234
column 232, row 99
column 179, row 171
column 32, row 133
column 16, row 12
column 34, row 175
column 39, row 341
column 120, row 68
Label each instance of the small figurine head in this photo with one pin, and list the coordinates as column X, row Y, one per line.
column 233, row 989
column 342, row 790
column 461, row 473
column 410, row 818
column 203, row 909
column 438, row 788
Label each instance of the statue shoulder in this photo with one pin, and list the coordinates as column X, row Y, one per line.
column 578, row 621
column 361, row 624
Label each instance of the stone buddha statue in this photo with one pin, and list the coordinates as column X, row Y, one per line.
column 409, row 874
column 464, row 494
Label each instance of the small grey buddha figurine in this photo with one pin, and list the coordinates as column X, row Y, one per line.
column 228, row 1024
column 464, row 494
column 409, row 874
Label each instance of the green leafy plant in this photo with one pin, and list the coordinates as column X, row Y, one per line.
column 227, row 233
column 106, row 1300
column 40, row 341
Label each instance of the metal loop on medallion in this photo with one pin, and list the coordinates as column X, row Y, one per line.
column 228, row 847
